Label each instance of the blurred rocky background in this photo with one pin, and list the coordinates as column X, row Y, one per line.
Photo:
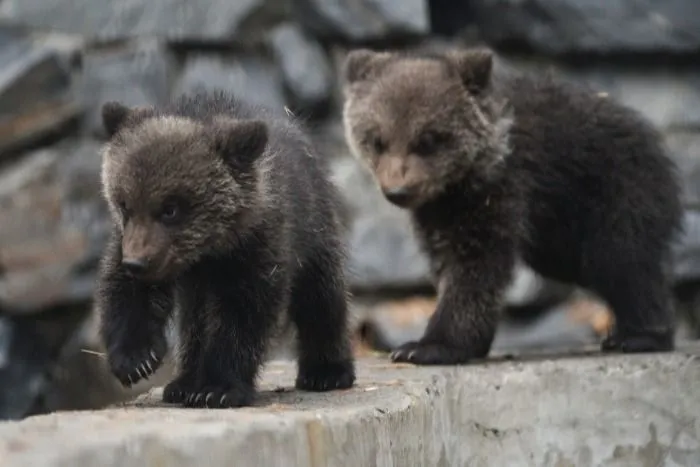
column 60, row 59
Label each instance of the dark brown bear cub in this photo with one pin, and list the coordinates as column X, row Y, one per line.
column 228, row 216
column 496, row 166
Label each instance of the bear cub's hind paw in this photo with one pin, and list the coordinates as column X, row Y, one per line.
column 326, row 376
column 650, row 342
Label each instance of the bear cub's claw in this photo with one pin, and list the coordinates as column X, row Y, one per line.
column 130, row 368
column 420, row 353
column 219, row 397
column 178, row 390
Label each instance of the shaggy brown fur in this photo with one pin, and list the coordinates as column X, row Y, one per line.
column 229, row 214
column 496, row 165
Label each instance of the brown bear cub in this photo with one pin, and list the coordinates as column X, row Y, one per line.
column 497, row 166
column 227, row 215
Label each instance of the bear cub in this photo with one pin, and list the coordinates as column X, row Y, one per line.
column 497, row 166
column 225, row 219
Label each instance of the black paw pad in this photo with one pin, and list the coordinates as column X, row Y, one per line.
column 326, row 377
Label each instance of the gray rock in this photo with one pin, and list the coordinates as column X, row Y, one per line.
column 531, row 289
column 598, row 26
column 306, row 71
column 140, row 74
column 383, row 249
column 638, row 411
column 684, row 146
column 553, row 330
column 109, row 20
column 35, row 91
column 251, row 78
column 686, row 266
column 55, row 225
column 668, row 96
column 363, row 20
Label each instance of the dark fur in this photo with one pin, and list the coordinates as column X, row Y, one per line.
column 497, row 165
column 234, row 216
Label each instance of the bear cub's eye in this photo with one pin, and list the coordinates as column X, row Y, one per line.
column 171, row 211
column 374, row 142
column 378, row 145
column 121, row 204
column 430, row 141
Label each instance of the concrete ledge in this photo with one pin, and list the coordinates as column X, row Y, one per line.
column 637, row 410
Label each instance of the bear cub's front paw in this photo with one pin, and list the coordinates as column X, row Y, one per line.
column 326, row 376
column 220, row 396
column 424, row 353
column 131, row 365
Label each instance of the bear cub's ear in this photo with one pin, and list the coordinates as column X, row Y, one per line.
column 115, row 115
column 240, row 141
column 474, row 67
column 360, row 64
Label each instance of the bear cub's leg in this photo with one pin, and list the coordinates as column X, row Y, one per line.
column 232, row 323
column 463, row 326
column 319, row 310
column 190, row 353
column 133, row 319
column 639, row 295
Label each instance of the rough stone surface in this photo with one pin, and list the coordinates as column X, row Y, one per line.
column 140, row 74
column 307, row 74
column 54, row 226
column 35, row 91
column 580, row 411
column 601, row 26
column 252, row 78
column 108, row 20
column 363, row 20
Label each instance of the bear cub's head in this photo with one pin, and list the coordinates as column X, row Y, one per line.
column 179, row 189
column 423, row 123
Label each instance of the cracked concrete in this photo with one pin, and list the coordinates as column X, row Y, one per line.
column 584, row 410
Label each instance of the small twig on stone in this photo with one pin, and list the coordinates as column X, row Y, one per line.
column 99, row 354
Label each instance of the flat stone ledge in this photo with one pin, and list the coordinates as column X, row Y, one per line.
column 585, row 410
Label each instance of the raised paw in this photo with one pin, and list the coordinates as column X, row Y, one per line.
column 326, row 377
column 430, row 354
column 176, row 391
column 662, row 342
column 219, row 397
column 132, row 368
